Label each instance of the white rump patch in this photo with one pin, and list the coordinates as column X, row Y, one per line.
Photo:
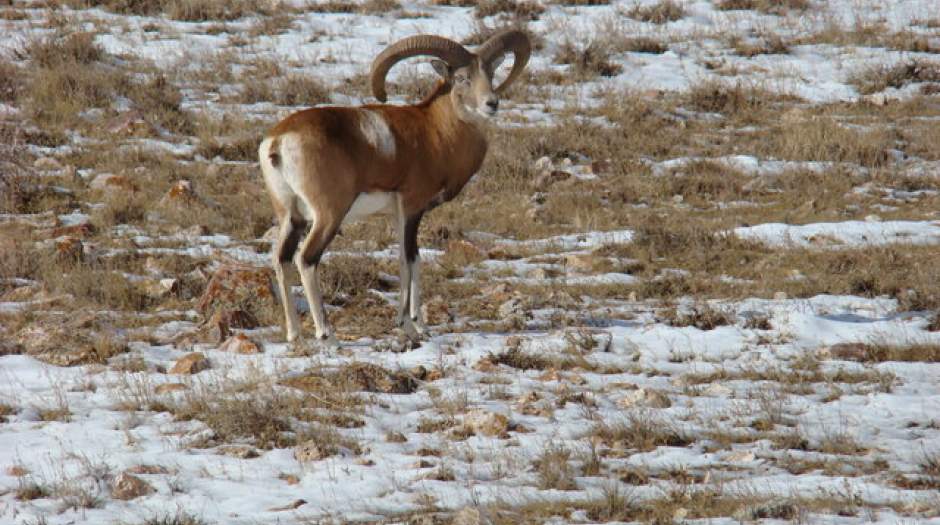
column 377, row 133
column 367, row 204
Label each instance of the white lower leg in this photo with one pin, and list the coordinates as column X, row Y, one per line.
column 311, row 282
column 291, row 320
column 414, row 298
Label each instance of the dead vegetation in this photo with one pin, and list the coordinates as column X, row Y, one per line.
column 660, row 12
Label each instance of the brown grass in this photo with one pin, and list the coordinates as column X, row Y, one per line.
column 520, row 10
column 659, row 13
column 589, row 61
column 879, row 78
column 185, row 10
column 641, row 431
column 776, row 7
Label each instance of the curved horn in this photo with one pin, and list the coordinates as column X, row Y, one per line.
column 510, row 40
column 447, row 50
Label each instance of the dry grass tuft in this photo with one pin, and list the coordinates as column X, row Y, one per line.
column 878, row 78
column 641, row 431
column 659, row 13
column 702, row 316
column 589, row 61
column 554, row 468
column 185, row 10
column 520, row 10
column 776, row 7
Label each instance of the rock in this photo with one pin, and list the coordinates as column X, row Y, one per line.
column 514, row 307
column 237, row 451
column 741, row 456
column 540, row 274
column 161, row 287
column 497, row 292
column 47, row 164
column 467, row 516
column 180, row 192
column 238, row 287
column 297, row 503
column 222, row 321
column 240, row 344
column 291, row 479
column 872, row 218
column 308, row 451
column 543, row 163
column 127, row 486
column 396, row 437
column 642, row 397
column 435, row 311
column 110, row 181
column 190, row 364
column 69, row 249
column 876, row 99
column 464, row 250
column 482, row 422
column 718, row 390
column 780, row 296
column 583, row 262
column 166, row 388
column 547, row 178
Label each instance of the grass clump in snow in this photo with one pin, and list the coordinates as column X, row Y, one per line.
column 659, row 13
column 878, row 78
column 641, row 431
column 588, row 61
column 776, row 7
column 520, row 10
column 185, row 10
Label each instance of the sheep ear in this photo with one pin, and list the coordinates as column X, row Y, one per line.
column 442, row 68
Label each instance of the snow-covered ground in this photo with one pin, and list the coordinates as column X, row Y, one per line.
column 819, row 409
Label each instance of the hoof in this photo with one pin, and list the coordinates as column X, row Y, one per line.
column 327, row 343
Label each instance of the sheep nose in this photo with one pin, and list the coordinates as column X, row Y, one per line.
column 493, row 103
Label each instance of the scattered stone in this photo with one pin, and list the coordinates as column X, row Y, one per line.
column 583, row 262
column 396, row 437
column 190, row 364
column 148, row 469
column 297, row 503
column 512, row 308
column 161, row 287
column 642, row 397
column 110, row 181
column 237, row 451
column 127, row 486
column 873, row 218
column 308, row 451
column 741, row 456
column 365, row 462
column 436, row 311
column 718, row 390
column 69, row 249
column 467, row 516
column 543, row 163
column 238, row 287
column 291, row 479
column 482, row 422
column 240, row 344
column 551, row 375
column 485, row 365
column 464, row 250
column 547, row 178
column 47, row 164
column 540, row 274
column 166, row 388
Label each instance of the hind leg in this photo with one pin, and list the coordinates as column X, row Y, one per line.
column 283, row 251
column 307, row 260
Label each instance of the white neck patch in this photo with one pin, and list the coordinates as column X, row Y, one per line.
column 377, row 133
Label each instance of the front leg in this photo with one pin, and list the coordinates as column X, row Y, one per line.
column 409, row 307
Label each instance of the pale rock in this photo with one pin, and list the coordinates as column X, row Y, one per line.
column 308, row 451
column 190, row 364
column 47, row 164
column 543, row 163
column 583, row 262
column 514, row 307
column 127, row 486
column 435, row 311
column 780, row 296
column 718, row 390
column 642, row 397
column 240, row 344
column 872, row 218
column 467, row 516
column 486, row 423
column 741, row 456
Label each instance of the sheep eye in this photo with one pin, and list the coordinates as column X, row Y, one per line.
column 462, row 79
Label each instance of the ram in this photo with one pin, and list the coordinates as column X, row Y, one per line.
column 327, row 166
